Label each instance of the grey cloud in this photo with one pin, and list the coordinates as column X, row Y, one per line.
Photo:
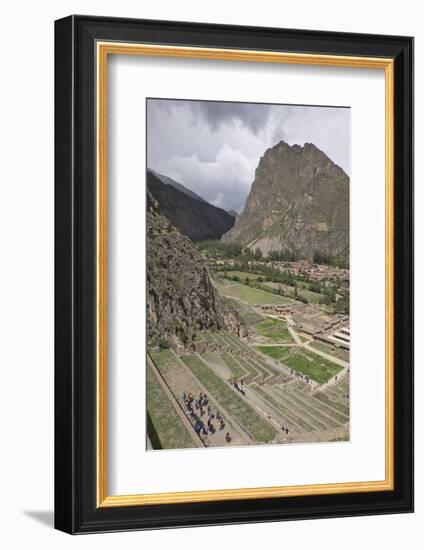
column 214, row 113
column 213, row 148
column 253, row 116
column 225, row 182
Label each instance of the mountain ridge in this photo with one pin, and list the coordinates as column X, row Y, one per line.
column 298, row 202
column 177, row 185
column 196, row 219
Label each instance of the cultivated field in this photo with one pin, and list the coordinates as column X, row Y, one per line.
column 250, row 295
column 257, row 392
column 274, row 330
column 313, row 366
column 274, row 386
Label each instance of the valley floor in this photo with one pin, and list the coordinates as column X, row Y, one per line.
column 275, row 386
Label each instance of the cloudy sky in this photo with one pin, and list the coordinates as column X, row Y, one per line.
column 213, row 148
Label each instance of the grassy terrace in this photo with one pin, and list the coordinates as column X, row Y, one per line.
column 302, row 290
column 240, row 274
column 250, row 317
column 271, row 285
column 258, row 428
column 246, row 312
column 250, row 295
column 208, row 337
column 256, row 366
column 233, row 342
column 307, row 414
column 330, row 410
column 165, row 428
column 162, row 359
column 275, row 330
column 312, row 297
column 281, row 407
column 337, row 391
column 236, row 370
column 316, row 367
column 257, row 362
column 250, row 368
column 340, row 353
column 344, row 409
column 219, row 339
column 318, row 410
column 276, row 352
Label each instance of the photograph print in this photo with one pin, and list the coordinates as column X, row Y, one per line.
column 247, row 263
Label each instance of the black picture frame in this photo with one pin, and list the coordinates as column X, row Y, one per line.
column 76, row 510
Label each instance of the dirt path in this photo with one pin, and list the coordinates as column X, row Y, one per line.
column 307, row 346
column 336, row 360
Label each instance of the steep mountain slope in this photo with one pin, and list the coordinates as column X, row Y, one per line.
column 232, row 213
column 180, row 296
column 298, row 202
column 198, row 220
column 179, row 186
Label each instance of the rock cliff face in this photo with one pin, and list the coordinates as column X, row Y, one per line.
column 181, row 299
column 196, row 218
column 298, row 202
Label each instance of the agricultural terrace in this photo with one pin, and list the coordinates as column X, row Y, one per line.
column 275, row 352
column 312, row 365
column 277, row 384
column 165, row 427
column 274, row 330
column 241, row 275
column 248, row 394
column 251, row 295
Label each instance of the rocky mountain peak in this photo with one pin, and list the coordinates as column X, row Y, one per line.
column 298, row 202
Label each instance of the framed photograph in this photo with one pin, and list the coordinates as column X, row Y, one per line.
column 234, row 274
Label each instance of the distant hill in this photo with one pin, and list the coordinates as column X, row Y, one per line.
column 298, row 203
column 169, row 181
column 195, row 218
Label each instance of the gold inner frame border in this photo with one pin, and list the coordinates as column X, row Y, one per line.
column 103, row 50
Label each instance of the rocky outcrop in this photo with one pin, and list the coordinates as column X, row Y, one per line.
column 298, row 202
column 181, row 299
column 197, row 219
